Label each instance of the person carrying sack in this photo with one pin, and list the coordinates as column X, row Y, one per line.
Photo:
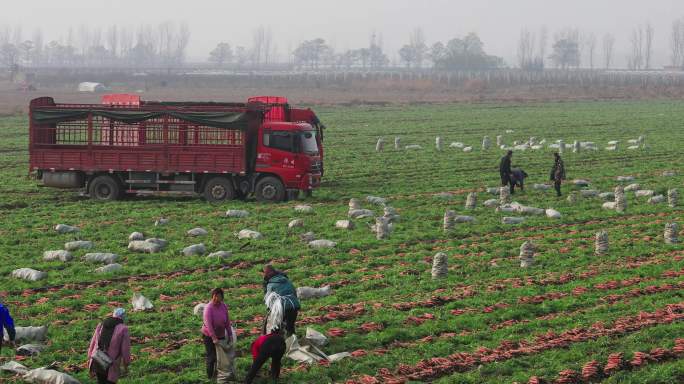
column 278, row 282
column 110, row 347
column 269, row 346
column 218, row 334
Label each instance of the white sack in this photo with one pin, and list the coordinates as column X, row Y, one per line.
column 76, row 245
column 553, row 214
column 197, row 232
column 63, row 228
column 318, row 244
column 28, row 334
column 29, row 274
column 237, row 213
column 306, row 209
column 105, row 258
column 360, row 213
column 295, row 223
column 140, row 303
column 136, row 236
column 109, row 268
column 304, row 293
column 249, row 234
column 512, row 220
column 194, row 250
column 344, row 224
column 60, row 255
column 221, row 255
column 198, row 310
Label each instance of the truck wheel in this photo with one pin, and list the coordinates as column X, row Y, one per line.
column 104, row 188
column 270, row 189
column 218, row 189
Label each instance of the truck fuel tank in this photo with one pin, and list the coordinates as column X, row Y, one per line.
column 69, row 179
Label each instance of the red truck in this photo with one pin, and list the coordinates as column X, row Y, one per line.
column 220, row 151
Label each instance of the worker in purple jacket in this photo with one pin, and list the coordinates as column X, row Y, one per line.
column 6, row 322
column 216, row 326
column 112, row 337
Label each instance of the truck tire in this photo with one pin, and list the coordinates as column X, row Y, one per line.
column 104, row 188
column 218, row 189
column 270, row 189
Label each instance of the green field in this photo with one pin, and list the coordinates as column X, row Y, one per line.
column 487, row 303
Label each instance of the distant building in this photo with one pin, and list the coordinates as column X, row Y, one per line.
column 91, row 87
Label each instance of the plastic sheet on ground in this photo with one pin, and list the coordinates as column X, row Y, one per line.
column 48, row 376
column 14, row 367
column 304, row 352
column 316, row 338
column 30, row 350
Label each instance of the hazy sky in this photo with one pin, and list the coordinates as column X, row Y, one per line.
column 348, row 24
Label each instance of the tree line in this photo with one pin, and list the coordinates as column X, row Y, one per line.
column 165, row 45
column 567, row 48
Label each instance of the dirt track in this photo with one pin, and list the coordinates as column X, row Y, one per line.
column 13, row 101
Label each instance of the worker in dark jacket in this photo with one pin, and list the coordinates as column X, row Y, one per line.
column 276, row 281
column 557, row 173
column 6, row 322
column 271, row 345
column 518, row 177
column 505, row 171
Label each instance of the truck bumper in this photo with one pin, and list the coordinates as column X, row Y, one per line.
column 310, row 181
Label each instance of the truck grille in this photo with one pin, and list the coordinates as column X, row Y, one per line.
column 316, row 166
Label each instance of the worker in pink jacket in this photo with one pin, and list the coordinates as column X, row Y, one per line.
column 111, row 336
column 216, row 326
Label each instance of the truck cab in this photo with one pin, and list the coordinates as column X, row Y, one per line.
column 290, row 150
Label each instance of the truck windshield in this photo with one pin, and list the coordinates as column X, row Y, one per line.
column 309, row 144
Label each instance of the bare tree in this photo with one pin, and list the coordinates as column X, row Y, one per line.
column 17, row 35
column 526, row 45
column 258, row 41
column 38, row 47
column 589, row 43
column 5, row 35
column 113, row 41
column 677, row 44
column 126, row 44
column 26, row 51
column 417, row 41
column 182, row 42
column 543, row 42
column 608, row 49
column 648, row 45
column 413, row 53
column 267, row 45
column 635, row 60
